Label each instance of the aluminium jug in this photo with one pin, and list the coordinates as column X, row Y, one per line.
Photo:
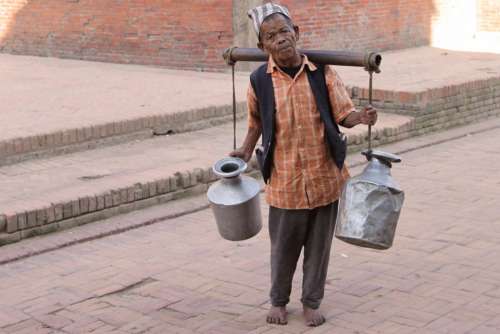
column 234, row 200
column 370, row 204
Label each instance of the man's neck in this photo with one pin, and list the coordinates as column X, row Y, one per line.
column 295, row 61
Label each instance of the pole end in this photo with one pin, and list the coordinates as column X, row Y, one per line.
column 227, row 55
column 373, row 61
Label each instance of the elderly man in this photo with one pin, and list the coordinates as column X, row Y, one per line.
column 296, row 106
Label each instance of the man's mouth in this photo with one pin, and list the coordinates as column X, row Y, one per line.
column 285, row 48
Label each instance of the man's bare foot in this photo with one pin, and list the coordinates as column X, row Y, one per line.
column 277, row 315
column 313, row 317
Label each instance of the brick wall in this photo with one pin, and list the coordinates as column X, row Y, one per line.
column 191, row 34
column 489, row 15
column 184, row 34
column 358, row 25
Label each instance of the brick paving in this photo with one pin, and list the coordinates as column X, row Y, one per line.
column 178, row 276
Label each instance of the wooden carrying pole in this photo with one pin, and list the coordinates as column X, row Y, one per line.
column 370, row 61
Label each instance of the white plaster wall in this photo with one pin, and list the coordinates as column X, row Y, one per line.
column 454, row 22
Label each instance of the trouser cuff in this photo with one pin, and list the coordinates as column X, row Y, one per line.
column 311, row 304
column 279, row 303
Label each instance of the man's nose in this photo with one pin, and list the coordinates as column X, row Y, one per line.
column 281, row 39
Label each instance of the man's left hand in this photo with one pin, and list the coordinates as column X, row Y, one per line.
column 368, row 115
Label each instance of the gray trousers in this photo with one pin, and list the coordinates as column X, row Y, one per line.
column 290, row 230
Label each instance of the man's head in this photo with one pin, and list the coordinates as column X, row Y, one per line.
column 276, row 32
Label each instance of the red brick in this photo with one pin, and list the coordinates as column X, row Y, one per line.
column 192, row 34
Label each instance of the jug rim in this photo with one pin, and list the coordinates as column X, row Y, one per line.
column 229, row 167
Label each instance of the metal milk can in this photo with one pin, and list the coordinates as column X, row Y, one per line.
column 370, row 204
column 234, row 200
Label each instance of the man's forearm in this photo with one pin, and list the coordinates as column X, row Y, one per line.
column 352, row 119
column 367, row 116
column 253, row 135
column 246, row 150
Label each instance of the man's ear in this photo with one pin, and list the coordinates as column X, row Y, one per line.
column 297, row 32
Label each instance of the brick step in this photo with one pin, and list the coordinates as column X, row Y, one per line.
column 49, row 194
column 54, row 106
column 59, row 106
column 15, row 150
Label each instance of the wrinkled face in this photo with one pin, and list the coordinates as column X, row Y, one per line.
column 279, row 38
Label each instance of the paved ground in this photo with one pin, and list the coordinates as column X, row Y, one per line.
column 44, row 95
column 178, row 276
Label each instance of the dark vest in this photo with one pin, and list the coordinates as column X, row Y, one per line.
column 262, row 85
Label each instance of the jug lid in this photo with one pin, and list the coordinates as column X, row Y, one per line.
column 385, row 157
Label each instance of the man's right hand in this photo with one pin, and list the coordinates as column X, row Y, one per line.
column 246, row 150
column 241, row 153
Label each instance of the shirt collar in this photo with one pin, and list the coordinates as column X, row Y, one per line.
column 272, row 66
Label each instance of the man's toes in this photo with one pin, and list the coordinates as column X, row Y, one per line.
column 319, row 321
column 316, row 322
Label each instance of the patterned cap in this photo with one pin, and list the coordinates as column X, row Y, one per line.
column 260, row 13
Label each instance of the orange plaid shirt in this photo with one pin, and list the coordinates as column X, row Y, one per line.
column 303, row 176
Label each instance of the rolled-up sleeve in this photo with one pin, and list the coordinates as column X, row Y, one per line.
column 340, row 100
column 253, row 109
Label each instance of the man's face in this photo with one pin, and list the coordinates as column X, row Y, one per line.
column 279, row 38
